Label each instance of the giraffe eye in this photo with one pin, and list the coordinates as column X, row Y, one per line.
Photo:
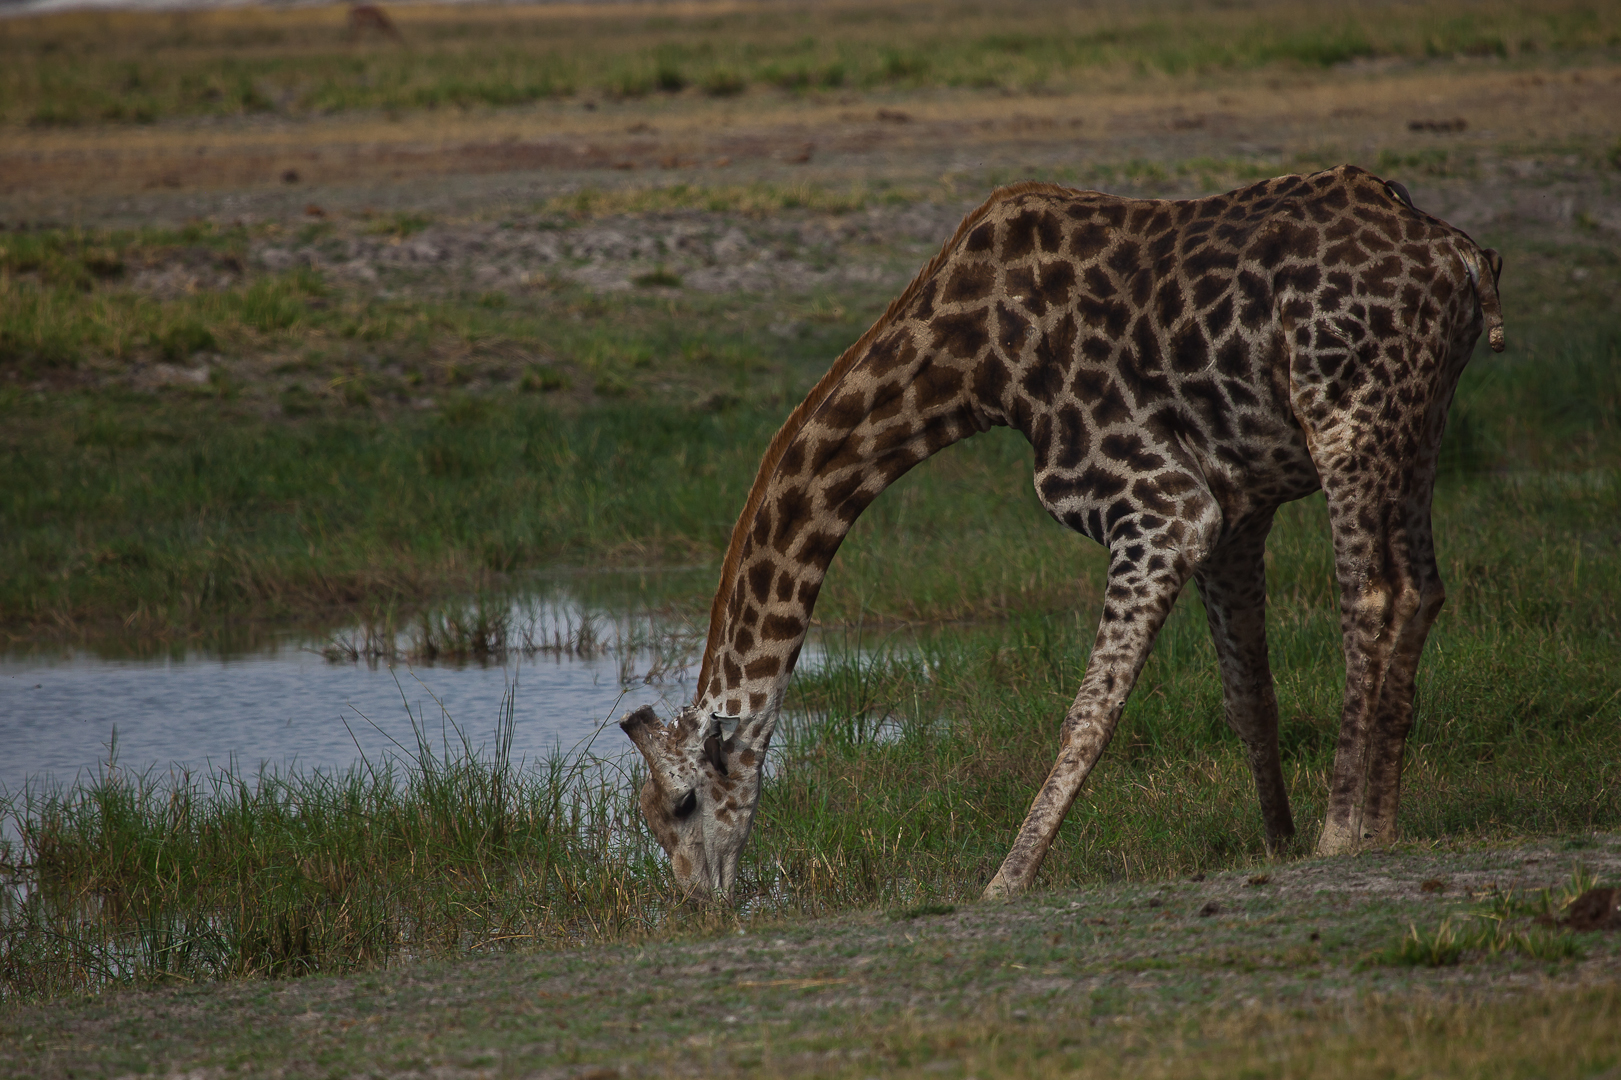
column 688, row 803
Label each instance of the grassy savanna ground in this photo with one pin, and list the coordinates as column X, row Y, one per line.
column 231, row 402
column 1292, row 973
column 99, row 102
column 110, row 67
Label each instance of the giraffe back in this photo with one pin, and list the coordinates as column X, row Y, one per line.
column 1135, row 342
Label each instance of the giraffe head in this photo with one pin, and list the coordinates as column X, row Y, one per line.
column 702, row 789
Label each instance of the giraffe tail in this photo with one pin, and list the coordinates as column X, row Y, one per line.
column 1485, row 265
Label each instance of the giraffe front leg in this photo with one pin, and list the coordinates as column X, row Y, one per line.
column 1144, row 581
column 1233, row 584
column 1087, row 729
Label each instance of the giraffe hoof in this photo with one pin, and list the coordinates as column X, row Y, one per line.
column 1004, row 887
column 1337, row 841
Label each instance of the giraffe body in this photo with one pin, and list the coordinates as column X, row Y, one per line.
column 1181, row 370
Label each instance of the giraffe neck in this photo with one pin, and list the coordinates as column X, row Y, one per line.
column 892, row 408
column 894, row 398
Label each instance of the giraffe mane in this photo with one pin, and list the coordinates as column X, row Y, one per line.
column 813, row 401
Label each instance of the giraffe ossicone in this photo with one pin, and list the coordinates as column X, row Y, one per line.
column 1181, row 369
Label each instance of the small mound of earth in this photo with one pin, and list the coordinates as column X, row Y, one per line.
column 1595, row 909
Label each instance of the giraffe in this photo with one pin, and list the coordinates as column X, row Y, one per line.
column 1181, row 369
column 366, row 17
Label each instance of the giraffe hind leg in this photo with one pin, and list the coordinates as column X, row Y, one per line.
column 1379, row 479
column 1386, row 621
column 1233, row 584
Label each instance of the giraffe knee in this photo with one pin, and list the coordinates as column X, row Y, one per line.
column 1372, row 604
column 1381, row 604
column 1418, row 602
column 1406, row 601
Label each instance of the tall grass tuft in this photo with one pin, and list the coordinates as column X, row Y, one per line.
column 1449, row 941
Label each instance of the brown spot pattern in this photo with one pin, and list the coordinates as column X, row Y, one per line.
column 1181, row 369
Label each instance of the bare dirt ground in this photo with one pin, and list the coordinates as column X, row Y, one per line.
column 851, row 191
column 708, row 251
column 1526, row 141
column 1278, row 944
column 825, row 193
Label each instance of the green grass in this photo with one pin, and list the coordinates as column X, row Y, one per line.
column 299, row 483
column 136, row 879
column 1065, row 984
column 291, row 483
column 204, row 518
column 63, row 302
column 120, row 68
column 909, row 756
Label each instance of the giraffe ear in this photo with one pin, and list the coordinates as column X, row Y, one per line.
column 715, row 751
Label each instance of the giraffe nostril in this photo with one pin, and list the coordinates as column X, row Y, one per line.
column 688, row 803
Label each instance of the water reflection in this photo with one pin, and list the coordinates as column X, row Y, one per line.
column 573, row 658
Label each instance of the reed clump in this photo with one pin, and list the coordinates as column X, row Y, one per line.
column 135, row 878
column 651, row 646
